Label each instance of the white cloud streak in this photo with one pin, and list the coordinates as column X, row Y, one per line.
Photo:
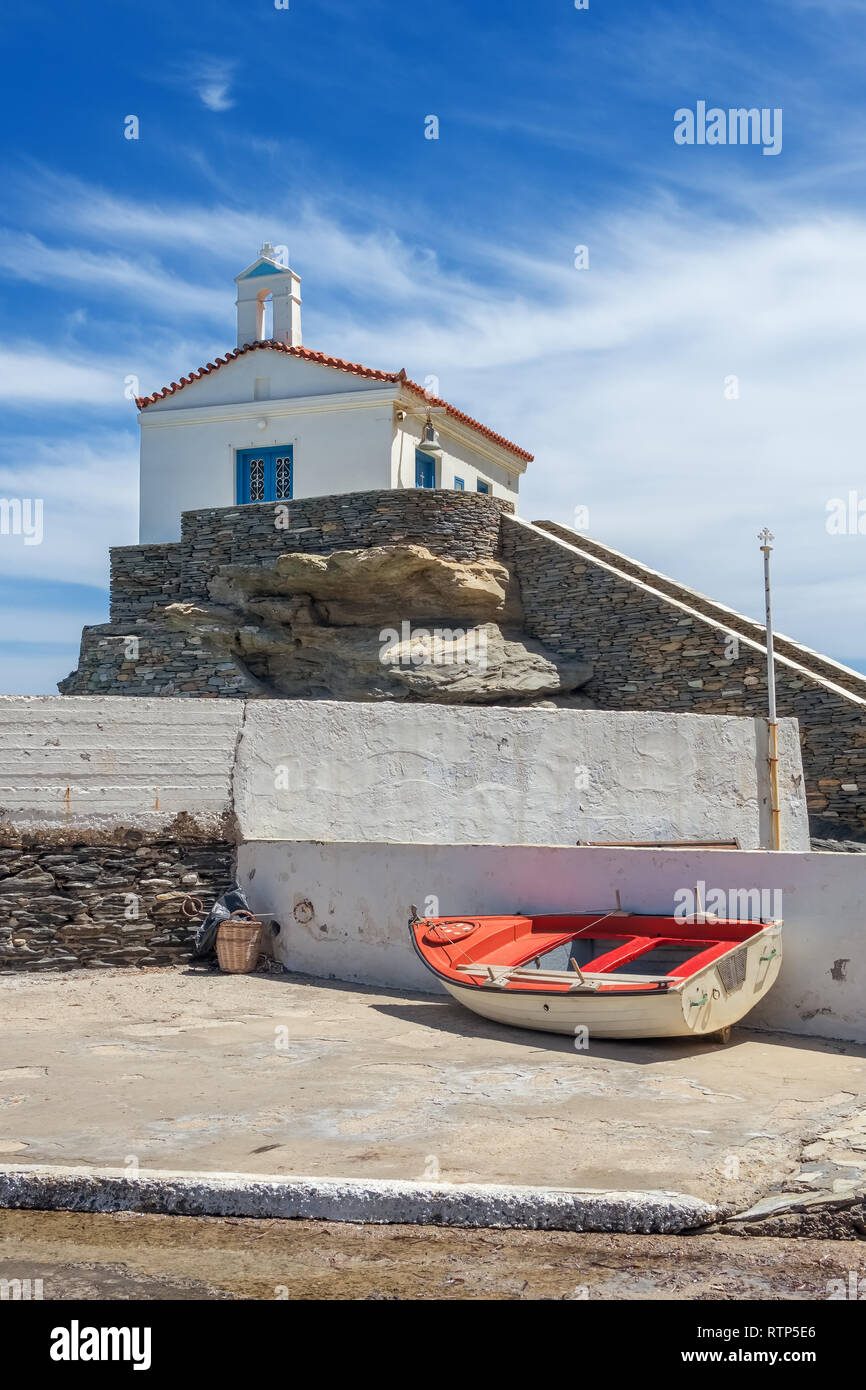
column 89, row 489
column 209, row 78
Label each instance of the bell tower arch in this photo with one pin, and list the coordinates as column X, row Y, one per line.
column 267, row 279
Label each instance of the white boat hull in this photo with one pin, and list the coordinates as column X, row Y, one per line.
column 702, row 1005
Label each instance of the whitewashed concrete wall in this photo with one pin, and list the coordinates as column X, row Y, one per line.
column 96, row 763
column 340, row 443
column 390, row 774
column 305, row 770
column 344, row 909
column 459, row 460
column 328, row 770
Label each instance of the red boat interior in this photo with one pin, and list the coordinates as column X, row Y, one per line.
column 662, row 947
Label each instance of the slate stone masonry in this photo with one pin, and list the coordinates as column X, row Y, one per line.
column 65, row 904
column 144, row 658
column 143, row 577
column 460, row 526
column 818, row 665
column 457, row 525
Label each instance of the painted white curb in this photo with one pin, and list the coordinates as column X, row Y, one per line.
column 375, row 1200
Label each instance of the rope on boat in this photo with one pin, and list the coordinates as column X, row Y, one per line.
column 614, row 912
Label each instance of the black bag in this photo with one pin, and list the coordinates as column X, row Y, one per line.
column 233, row 900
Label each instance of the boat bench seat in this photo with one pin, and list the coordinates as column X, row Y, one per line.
column 500, row 974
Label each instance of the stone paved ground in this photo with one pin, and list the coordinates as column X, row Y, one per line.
column 271, row 1074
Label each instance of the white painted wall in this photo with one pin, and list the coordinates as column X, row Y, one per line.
column 335, row 771
column 94, row 762
column 329, row 770
column 188, row 458
column 344, row 909
column 288, row 378
column 459, row 460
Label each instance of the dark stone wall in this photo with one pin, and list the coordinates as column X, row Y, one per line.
column 818, row 665
column 143, row 577
column 146, row 658
column 461, row 526
column 65, row 904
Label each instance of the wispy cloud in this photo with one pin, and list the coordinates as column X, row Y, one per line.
column 213, row 83
column 210, row 78
column 130, row 275
column 30, row 374
column 89, row 488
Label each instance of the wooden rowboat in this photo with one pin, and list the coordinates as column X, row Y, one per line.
column 613, row 974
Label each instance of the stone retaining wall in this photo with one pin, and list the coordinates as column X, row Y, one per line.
column 650, row 651
column 460, row 526
column 144, row 658
column 814, row 662
column 65, row 904
column 143, row 577
column 654, row 644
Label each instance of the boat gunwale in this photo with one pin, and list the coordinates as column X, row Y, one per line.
column 643, row 992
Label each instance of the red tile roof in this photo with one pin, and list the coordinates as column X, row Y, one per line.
column 398, row 378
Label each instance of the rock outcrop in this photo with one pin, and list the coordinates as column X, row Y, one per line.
column 357, row 588
column 383, row 623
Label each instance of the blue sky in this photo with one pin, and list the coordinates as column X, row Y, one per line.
column 453, row 258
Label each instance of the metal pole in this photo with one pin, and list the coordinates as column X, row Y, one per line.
column 765, row 538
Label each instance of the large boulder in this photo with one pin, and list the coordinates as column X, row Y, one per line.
column 299, row 656
column 386, row 623
column 479, row 666
column 355, row 588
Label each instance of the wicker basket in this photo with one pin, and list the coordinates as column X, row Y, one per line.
column 237, row 945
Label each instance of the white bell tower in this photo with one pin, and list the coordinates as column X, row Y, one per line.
column 266, row 279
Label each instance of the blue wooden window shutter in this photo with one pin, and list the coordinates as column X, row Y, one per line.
column 265, row 475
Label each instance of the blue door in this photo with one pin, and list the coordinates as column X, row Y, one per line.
column 265, row 475
column 425, row 470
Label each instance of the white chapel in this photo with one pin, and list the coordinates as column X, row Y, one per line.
column 273, row 420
